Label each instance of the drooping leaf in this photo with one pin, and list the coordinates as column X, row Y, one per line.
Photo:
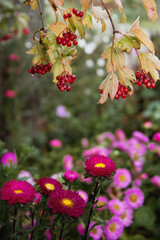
column 51, row 56
column 79, row 26
column 135, row 25
column 32, row 3
column 98, row 13
column 67, row 60
column 126, row 44
column 120, row 7
column 57, row 28
column 126, row 76
column 109, row 86
column 85, row 5
column 57, row 69
column 104, row 26
column 151, row 9
column 87, row 20
column 118, row 58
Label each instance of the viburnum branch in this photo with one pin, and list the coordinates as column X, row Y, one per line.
column 114, row 31
column 73, row 3
column 133, row 46
column 41, row 14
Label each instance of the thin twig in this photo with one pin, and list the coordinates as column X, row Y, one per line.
column 73, row 3
column 41, row 14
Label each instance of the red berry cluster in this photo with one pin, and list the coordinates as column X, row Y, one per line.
column 121, row 92
column 67, row 38
column 40, row 69
column 75, row 12
column 143, row 78
column 63, row 79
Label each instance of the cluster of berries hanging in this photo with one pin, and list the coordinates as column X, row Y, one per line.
column 143, row 79
column 63, row 79
column 75, row 12
column 40, row 68
column 121, row 92
column 67, row 39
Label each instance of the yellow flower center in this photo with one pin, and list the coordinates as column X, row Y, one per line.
column 18, row 191
column 67, row 202
column 100, row 165
column 133, row 197
column 116, row 207
column 10, row 160
column 112, row 227
column 124, row 215
column 122, row 178
column 94, row 231
column 49, row 186
column 100, row 204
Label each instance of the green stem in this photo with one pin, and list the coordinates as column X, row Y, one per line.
column 32, row 224
column 91, row 209
column 14, row 223
column 62, row 228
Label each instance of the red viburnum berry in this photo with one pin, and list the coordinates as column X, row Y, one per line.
column 64, row 79
column 40, row 69
column 142, row 78
column 68, row 38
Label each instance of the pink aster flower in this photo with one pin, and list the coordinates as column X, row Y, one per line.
column 137, row 182
column 62, row 112
column 156, row 137
column 83, row 194
column 127, row 216
column 140, row 136
column 121, row 145
column 48, row 185
column 116, row 207
column 37, row 198
column 10, row 93
column 100, row 166
column 96, row 232
column 113, row 228
column 148, row 124
column 84, row 142
column 81, row 229
column 138, row 165
column 68, row 162
column 152, row 146
column 67, row 202
column 156, row 181
column 14, row 57
column 122, row 178
column 143, row 176
column 55, row 143
column 71, row 176
column 9, row 159
column 25, row 175
column 101, row 201
column 134, row 197
column 114, row 191
column 96, row 151
column 87, row 180
column 120, row 134
column 106, row 135
column 17, row 191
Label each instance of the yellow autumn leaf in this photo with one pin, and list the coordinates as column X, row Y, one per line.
column 135, row 25
column 104, row 26
column 142, row 37
column 57, row 28
column 151, row 9
column 85, row 5
column 120, row 7
column 51, row 56
column 87, row 20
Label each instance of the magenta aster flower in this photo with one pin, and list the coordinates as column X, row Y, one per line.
column 140, row 136
column 83, row 194
column 67, row 202
column 134, row 197
column 71, row 176
column 8, row 159
column 68, row 162
column 116, row 207
column 10, row 93
column 156, row 137
column 101, row 201
column 143, row 176
column 81, row 229
column 122, row 178
column 55, row 143
column 113, row 228
column 156, row 181
column 17, row 191
column 48, row 185
column 37, row 198
column 127, row 216
column 14, row 57
column 96, row 232
column 100, row 166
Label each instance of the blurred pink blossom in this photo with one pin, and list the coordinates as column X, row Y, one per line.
column 55, row 143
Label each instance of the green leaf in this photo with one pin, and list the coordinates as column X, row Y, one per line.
column 126, row 44
column 87, row 20
column 79, row 26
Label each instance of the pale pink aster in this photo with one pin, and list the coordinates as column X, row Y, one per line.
column 143, row 176
column 116, row 207
column 113, row 228
column 81, row 229
column 120, row 134
column 48, row 185
column 96, row 151
column 138, row 165
column 10, row 93
column 83, row 194
column 121, row 145
column 96, row 232
column 84, row 142
column 62, row 112
column 106, row 135
column 55, row 143
column 17, row 191
column 68, row 162
column 140, row 136
column 127, row 216
column 25, row 175
column 156, row 137
column 14, row 57
column 152, row 146
column 9, row 159
column 122, row 178
column 67, row 202
column 71, row 176
column 101, row 201
column 137, row 182
column 134, row 197
column 87, row 180
column 156, row 181
column 100, row 166
column 148, row 124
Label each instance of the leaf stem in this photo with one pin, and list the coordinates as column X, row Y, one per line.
column 91, row 209
column 62, row 228
column 32, row 224
column 73, row 3
column 14, row 223
column 41, row 14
